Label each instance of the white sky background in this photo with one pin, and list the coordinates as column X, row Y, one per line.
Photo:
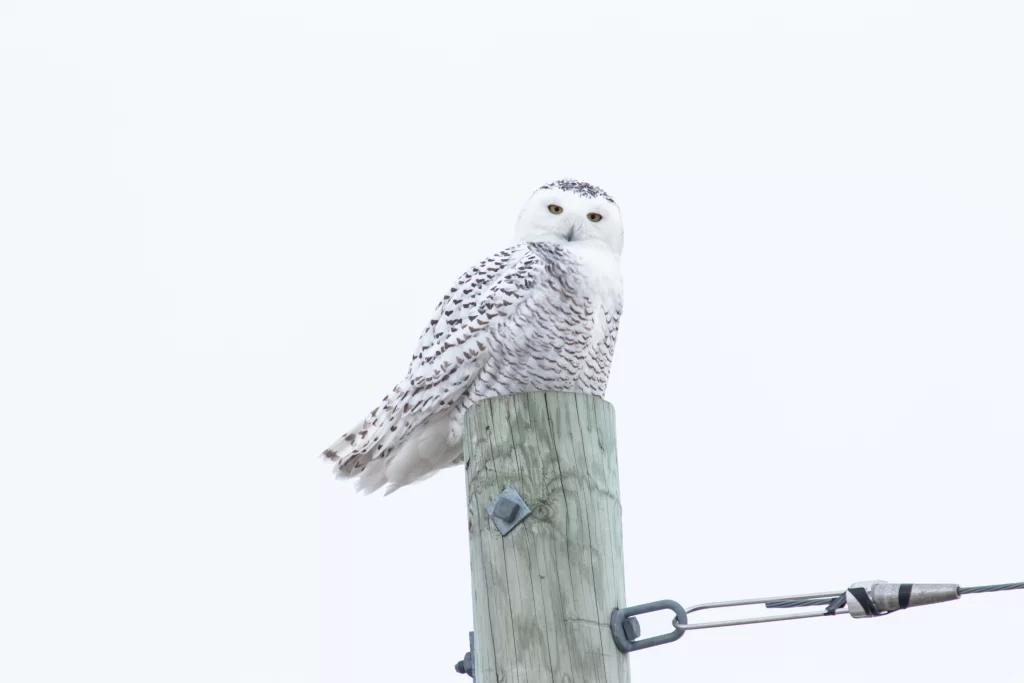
column 225, row 223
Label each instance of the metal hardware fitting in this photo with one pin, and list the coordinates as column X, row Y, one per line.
column 878, row 598
column 683, row 626
column 507, row 510
column 465, row 665
column 627, row 638
column 860, row 600
column 631, row 627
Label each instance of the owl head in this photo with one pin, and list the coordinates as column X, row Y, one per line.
column 571, row 211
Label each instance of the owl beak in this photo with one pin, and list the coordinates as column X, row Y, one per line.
column 575, row 231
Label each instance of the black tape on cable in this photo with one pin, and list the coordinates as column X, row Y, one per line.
column 862, row 597
column 836, row 603
column 904, row 595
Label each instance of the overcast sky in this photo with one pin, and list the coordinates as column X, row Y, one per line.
column 225, row 223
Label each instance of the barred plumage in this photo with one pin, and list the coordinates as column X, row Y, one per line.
column 542, row 315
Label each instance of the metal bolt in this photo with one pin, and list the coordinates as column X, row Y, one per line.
column 466, row 665
column 631, row 626
column 505, row 509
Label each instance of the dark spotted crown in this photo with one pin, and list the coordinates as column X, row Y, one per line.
column 585, row 190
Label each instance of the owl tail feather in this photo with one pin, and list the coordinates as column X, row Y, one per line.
column 354, row 451
column 341, row 451
column 377, row 455
column 370, row 439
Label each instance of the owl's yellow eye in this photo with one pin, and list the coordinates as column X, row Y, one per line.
column 595, row 217
column 554, row 208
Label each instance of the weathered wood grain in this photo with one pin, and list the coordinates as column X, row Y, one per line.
column 543, row 594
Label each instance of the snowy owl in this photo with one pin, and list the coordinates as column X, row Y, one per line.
column 541, row 315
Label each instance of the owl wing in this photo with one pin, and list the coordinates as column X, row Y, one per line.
column 449, row 355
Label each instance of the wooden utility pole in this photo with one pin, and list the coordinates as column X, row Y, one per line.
column 543, row 593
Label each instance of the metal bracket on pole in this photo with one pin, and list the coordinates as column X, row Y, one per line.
column 626, row 628
column 465, row 665
column 508, row 510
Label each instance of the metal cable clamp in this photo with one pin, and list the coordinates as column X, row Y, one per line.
column 861, row 600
